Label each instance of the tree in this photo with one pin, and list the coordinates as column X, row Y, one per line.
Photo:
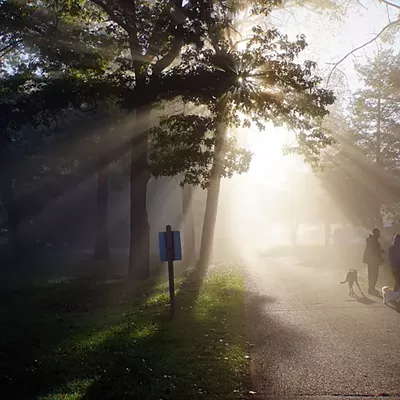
column 376, row 111
column 264, row 83
column 339, row 10
column 23, row 103
column 115, row 34
column 387, row 33
column 127, row 54
column 48, row 145
column 189, row 237
column 356, row 187
column 375, row 119
column 350, row 165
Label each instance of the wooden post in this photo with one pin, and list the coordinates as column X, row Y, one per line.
column 170, row 254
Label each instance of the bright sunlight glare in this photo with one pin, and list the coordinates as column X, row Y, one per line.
column 255, row 196
column 269, row 165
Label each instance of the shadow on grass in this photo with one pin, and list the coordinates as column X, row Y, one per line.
column 40, row 320
column 200, row 354
column 108, row 340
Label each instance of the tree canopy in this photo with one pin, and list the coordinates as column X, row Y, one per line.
column 260, row 84
column 85, row 55
column 126, row 48
column 362, row 171
column 376, row 108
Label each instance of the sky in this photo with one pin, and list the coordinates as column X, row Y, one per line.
column 255, row 194
column 328, row 41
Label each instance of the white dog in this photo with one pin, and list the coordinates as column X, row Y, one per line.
column 389, row 295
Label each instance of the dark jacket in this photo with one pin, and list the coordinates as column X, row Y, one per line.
column 373, row 251
column 394, row 254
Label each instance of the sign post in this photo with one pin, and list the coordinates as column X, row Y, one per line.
column 170, row 255
column 169, row 243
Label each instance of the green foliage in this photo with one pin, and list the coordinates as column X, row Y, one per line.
column 365, row 162
column 127, row 55
column 263, row 83
column 395, row 80
column 185, row 144
column 57, row 33
column 310, row 147
column 376, row 110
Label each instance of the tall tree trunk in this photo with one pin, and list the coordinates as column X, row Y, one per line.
column 139, row 249
column 210, row 215
column 378, row 221
column 210, row 219
column 102, row 249
column 189, row 239
column 378, row 132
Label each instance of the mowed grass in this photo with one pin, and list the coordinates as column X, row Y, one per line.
column 89, row 339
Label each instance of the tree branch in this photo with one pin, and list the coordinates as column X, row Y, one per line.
column 215, row 34
column 167, row 9
column 362, row 5
column 362, row 46
column 130, row 29
column 5, row 48
column 110, row 12
column 176, row 44
column 12, row 46
column 168, row 59
column 389, row 3
column 388, row 14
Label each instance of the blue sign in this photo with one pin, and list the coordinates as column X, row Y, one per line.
column 176, row 245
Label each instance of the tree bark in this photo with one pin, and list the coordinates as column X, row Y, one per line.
column 211, row 212
column 189, row 239
column 210, row 219
column 378, row 221
column 139, row 249
column 378, row 132
column 102, row 249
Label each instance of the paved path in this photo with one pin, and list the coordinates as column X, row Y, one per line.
column 309, row 338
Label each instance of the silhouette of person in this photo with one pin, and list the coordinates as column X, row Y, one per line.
column 394, row 261
column 373, row 258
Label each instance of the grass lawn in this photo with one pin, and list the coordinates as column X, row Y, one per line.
column 86, row 339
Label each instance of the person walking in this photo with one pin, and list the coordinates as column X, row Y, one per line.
column 394, row 261
column 373, row 258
